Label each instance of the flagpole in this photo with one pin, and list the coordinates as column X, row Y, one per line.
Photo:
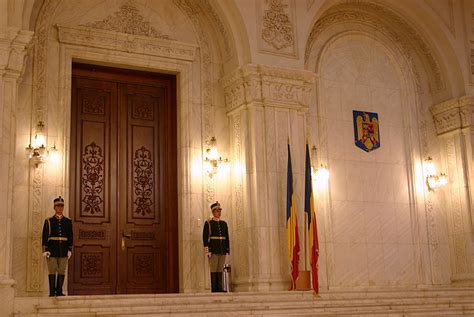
column 305, row 243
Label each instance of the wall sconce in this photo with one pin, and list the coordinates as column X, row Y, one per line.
column 433, row 180
column 213, row 161
column 321, row 173
column 38, row 153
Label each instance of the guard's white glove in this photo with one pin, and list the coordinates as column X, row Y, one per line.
column 206, row 250
column 69, row 254
column 46, row 254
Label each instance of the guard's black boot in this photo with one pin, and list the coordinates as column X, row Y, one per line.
column 219, row 282
column 52, row 284
column 59, row 286
column 214, row 282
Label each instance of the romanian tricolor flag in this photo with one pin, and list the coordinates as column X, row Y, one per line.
column 312, row 227
column 292, row 226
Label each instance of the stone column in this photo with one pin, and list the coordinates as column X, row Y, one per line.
column 454, row 120
column 13, row 43
column 267, row 108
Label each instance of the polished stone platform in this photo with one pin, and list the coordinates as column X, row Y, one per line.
column 414, row 302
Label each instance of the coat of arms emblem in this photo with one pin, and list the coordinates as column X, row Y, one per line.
column 366, row 130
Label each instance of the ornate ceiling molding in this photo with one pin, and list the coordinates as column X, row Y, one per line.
column 128, row 43
column 127, row 20
column 269, row 86
column 381, row 21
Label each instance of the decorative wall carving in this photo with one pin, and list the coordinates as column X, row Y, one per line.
column 453, row 114
column 211, row 13
column 238, row 199
column 143, row 183
column 277, row 29
column 34, row 275
column 128, row 43
column 273, row 86
column 127, row 20
column 34, row 279
column 92, row 181
column 380, row 20
column 195, row 13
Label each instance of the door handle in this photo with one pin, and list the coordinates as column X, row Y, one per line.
column 125, row 235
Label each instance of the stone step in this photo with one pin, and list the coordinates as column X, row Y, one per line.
column 429, row 302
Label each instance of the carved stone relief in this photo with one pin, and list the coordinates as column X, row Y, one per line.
column 238, row 200
column 123, row 42
column 453, row 114
column 34, row 278
column 277, row 28
column 275, row 86
column 127, row 20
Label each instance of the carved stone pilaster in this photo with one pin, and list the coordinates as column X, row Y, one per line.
column 13, row 49
column 267, row 107
column 454, row 120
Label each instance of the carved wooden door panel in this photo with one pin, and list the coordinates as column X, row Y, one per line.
column 123, row 182
column 141, row 257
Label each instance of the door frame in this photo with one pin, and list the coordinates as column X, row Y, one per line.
column 184, row 67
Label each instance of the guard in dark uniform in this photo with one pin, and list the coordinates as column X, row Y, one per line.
column 57, row 246
column 215, row 236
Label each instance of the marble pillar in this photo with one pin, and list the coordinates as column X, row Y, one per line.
column 454, row 125
column 13, row 45
column 267, row 107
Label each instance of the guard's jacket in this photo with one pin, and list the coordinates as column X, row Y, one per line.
column 57, row 236
column 215, row 236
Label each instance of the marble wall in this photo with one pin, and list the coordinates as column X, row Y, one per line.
column 372, row 234
column 379, row 226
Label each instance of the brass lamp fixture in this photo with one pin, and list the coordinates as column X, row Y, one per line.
column 433, row 180
column 212, row 159
column 321, row 173
column 37, row 152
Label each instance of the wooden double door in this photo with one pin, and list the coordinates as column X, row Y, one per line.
column 123, row 169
